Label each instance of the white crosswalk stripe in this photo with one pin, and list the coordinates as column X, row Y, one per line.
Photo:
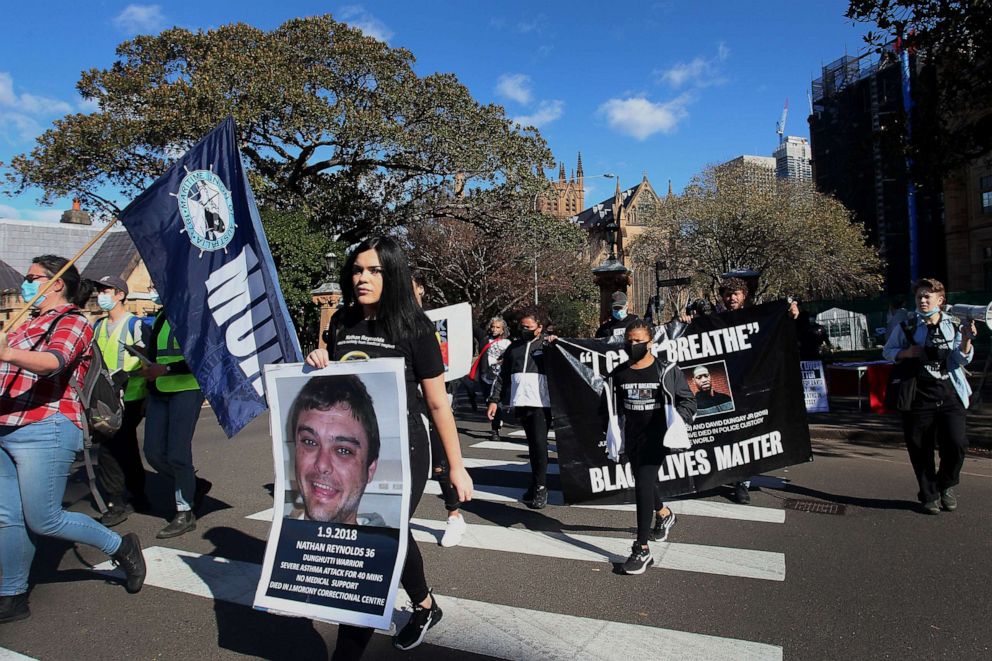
column 477, row 627
column 10, row 655
column 743, row 563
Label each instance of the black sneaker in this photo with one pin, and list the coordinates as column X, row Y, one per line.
column 540, row 499
column 130, row 559
column 422, row 619
column 203, row 487
column 116, row 514
column 181, row 524
column 528, row 496
column 14, row 607
column 931, row 507
column 494, row 436
column 662, row 524
column 640, row 559
column 741, row 494
column 949, row 499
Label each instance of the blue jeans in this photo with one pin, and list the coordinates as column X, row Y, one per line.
column 34, row 465
column 170, row 421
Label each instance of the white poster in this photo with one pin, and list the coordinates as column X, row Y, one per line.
column 339, row 527
column 453, row 325
column 814, row 386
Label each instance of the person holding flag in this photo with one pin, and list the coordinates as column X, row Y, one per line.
column 120, row 464
column 42, row 423
column 381, row 319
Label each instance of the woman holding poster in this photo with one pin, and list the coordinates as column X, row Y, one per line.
column 643, row 389
column 381, row 319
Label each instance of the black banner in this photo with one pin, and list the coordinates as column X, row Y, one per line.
column 743, row 367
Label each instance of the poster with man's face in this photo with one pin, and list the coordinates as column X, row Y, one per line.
column 339, row 530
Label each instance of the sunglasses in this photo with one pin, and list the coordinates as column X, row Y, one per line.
column 32, row 277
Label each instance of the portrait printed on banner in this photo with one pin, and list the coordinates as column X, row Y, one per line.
column 339, row 528
column 335, row 451
column 711, row 387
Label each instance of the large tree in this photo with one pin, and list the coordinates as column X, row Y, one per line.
column 740, row 217
column 954, row 38
column 333, row 123
column 496, row 269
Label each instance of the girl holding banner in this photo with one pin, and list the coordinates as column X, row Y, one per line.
column 643, row 389
column 381, row 319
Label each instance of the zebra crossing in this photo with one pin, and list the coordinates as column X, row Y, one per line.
column 511, row 632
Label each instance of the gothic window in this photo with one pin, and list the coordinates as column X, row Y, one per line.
column 985, row 187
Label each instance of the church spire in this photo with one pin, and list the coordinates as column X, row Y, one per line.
column 561, row 171
column 669, row 188
column 578, row 168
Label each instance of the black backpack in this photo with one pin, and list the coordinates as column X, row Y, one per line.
column 100, row 393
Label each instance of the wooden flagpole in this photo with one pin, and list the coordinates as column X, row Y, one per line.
column 41, row 292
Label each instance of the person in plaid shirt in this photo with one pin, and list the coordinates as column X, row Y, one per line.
column 41, row 430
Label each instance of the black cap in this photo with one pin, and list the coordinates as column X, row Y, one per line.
column 619, row 299
column 108, row 281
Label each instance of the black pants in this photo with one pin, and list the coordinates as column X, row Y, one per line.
column 644, row 464
column 536, row 421
column 940, row 426
column 353, row 640
column 439, row 464
column 484, row 391
column 120, row 460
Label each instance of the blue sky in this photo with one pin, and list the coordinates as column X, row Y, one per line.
column 658, row 87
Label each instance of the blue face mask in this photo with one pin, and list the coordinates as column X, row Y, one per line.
column 29, row 290
column 156, row 299
column 928, row 314
column 106, row 302
column 620, row 314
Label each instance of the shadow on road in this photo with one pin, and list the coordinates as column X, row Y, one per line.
column 254, row 633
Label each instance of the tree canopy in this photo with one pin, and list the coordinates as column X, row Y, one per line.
column 495, row 270
column 740, row 217
column 333, row 123
column 955, row 38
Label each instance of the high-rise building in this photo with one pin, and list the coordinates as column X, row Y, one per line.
column 793, row 159
column 857, row 134
column 755, row 170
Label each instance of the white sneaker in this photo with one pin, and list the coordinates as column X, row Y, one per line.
column 453, row 531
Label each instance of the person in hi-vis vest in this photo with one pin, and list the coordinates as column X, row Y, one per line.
column 120, row 464
column 174, row 402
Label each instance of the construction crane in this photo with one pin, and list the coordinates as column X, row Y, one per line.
column 780, row 127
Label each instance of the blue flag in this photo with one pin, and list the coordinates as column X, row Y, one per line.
column 199, row 233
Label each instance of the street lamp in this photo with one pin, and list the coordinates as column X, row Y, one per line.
column 330, row 264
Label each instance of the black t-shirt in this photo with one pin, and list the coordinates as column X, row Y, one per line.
column 933, row 384
column 641, row 400
column 612, row 328
column 420, row 352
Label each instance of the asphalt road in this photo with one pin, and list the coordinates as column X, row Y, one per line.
column 872, row 580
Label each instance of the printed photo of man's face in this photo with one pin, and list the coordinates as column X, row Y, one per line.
column 336, row 447
column 701, row 377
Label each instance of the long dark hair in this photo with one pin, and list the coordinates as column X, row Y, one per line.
column 77, row 290
column 398, row 313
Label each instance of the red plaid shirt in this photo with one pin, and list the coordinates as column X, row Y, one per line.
column 26, row 397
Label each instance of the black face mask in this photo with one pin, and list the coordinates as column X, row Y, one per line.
column 636, row 351
column 527, row 335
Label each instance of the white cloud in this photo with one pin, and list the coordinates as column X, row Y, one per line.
column 545, row 113
column 516, row 87
column 699, row 71
column 141, row 19
column 356, row 16
column 88, row 105
column 46, row 215
column 7, row 211
column 19, row 113
column 641, row 118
